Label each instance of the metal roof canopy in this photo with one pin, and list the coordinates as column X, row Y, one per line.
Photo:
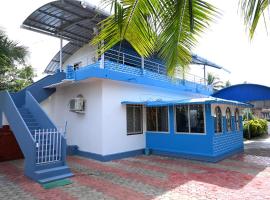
column 207, row 100
column 71, row 20
column 75, row 21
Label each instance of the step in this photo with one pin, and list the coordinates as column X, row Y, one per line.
column 31, row 123
column 52, row 172
column 55, row 178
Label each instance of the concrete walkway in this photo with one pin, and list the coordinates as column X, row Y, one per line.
column 243, row 176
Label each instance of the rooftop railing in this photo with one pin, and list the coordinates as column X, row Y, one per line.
column 150, row 65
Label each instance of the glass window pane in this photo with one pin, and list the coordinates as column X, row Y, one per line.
column 138, row 119
column 162, row 115
column 151, row 119
column 196, row 118
column 129, row 119
column 181, row 114
column 237, row 122
column 134, row 119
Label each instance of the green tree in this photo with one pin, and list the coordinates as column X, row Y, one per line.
column 168, row 28
column 15, row 74
column 214, row 81
column 252, row 11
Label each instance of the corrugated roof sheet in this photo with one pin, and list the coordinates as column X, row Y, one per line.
column 207, row 100
column 69, row 19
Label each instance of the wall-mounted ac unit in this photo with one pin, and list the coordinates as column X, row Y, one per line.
column 77, row 105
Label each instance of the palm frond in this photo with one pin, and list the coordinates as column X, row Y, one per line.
column 252, row 10
column 168, row 28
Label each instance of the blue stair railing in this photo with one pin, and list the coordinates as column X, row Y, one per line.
column 45, row 158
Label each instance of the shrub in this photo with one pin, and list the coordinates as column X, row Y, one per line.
column 257, row 127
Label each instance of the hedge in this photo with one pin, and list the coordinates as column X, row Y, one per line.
column 257, row 127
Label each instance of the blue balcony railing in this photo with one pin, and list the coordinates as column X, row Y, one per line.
column 149, row 65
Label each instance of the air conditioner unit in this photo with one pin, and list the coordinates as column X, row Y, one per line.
column 77, row 105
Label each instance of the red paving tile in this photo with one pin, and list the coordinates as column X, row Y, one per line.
column 228, row 180
column 110, row 189
column 16, row 176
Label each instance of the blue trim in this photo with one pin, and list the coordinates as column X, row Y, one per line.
column 199, row 157
column 105, row 158
column 72, row 150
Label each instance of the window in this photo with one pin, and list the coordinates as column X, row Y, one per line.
column 134, row 119
column 189, row 118
column 228, row 120
column 196, row 118
column 237, row 120
column 182, row 122
column 218, row 120
column 157, row 119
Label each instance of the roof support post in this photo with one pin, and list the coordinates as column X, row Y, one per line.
column 60, row 55
column 204, row 74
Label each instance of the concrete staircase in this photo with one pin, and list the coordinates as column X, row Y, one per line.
column 42, row 144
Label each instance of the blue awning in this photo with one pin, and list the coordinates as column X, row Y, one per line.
column 207, row 100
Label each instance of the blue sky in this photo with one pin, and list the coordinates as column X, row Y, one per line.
column 225, row 43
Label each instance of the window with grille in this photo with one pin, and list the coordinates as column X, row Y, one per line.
column 228, row 120
column 134, row 119
column 218, row 120
column 237, row 120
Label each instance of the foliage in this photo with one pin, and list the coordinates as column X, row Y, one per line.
column 168, row 28
column 252, row 11
column 214, row 81
column 256, row 127
column 248, row 115
column 227, row 84
column 14, row 73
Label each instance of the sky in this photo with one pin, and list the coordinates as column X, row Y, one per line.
column 225, row 43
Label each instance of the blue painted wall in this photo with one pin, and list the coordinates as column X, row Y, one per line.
column 244, row 92
column 209, row 147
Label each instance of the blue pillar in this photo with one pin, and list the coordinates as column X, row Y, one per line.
column 209, row 121
column 233, row 124
column 224, row 124
column 171, row 120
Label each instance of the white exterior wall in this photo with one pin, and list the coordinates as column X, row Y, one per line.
column 102, row 129
column 86, row 55
column 83, row 130
column 115, row 138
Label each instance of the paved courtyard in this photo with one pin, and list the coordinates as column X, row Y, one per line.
column 244, row 176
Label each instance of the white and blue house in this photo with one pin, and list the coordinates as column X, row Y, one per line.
column 113, row 106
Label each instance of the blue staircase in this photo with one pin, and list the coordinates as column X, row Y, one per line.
column 43, row 145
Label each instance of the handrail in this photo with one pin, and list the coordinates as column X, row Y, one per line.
column 16, row 122
column 160, row 68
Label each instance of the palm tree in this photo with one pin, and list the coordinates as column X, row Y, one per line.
column 11, row 52
column 252, row 11
column 214, row 81
column 167, row 28
column 12, row 55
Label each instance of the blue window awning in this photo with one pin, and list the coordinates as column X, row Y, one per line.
column 207, row 100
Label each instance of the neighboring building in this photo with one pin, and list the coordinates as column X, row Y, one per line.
column 115, row 106
column 257, row 95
